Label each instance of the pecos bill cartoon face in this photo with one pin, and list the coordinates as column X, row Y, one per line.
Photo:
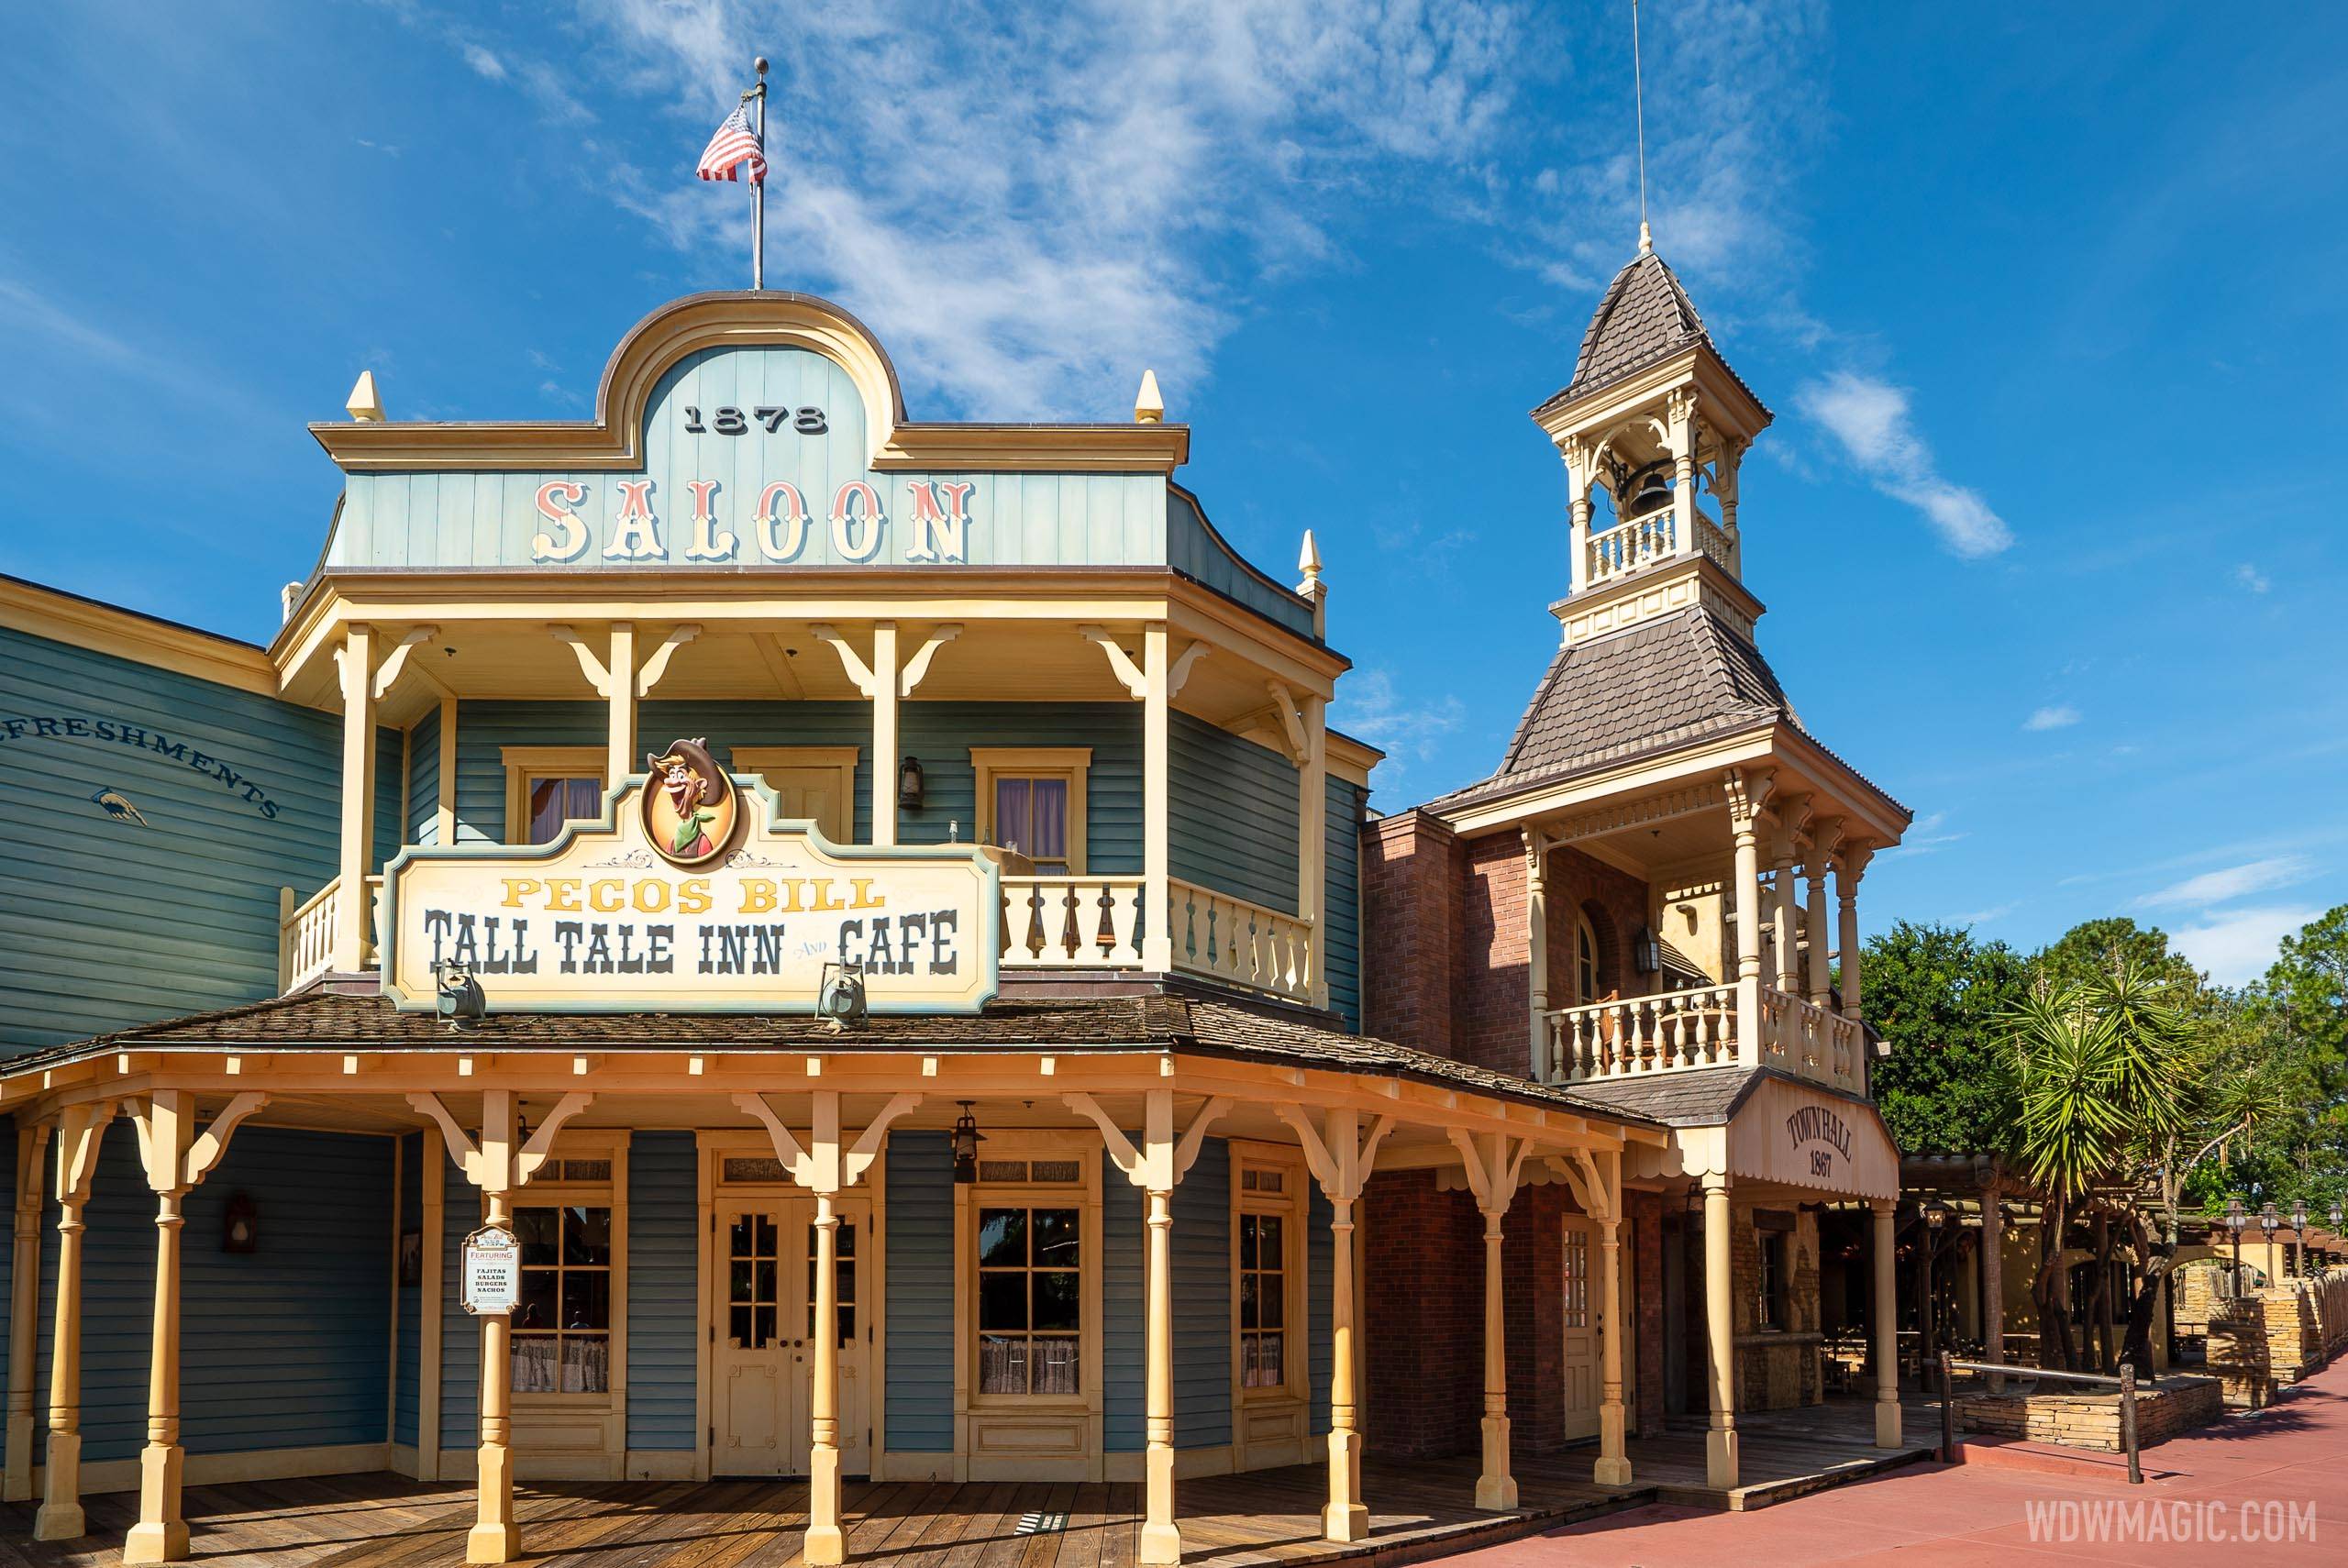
column 691, row 808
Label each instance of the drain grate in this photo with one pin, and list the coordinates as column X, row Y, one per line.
column 1042, row 1521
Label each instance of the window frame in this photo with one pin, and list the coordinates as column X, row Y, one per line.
column 839, row 759
column 1585, row 987
column 525, row 765
column 1067, row 763
column 1084, row 1194
column 1291, row 1205
column 610, row 1194
column 1773, row 1265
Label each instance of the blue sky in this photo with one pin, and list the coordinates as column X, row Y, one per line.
column 2046, row 299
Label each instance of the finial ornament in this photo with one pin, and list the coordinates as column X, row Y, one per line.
column 1646, row 238
column 364, row 404
column 1308, row 560
column 1148, row 407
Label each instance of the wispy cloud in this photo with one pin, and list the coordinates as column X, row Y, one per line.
column 1872, row 421
column 2054, row 716
column 1925, row 834
column 483, row 62
column 2250, row 576
column 1993, row 913
column 2236, row 946
column 1368, row 707
column 2233, row 882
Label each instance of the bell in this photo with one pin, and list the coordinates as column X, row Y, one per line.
column 1649, row 491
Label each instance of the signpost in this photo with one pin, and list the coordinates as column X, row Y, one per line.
column 492, row 1271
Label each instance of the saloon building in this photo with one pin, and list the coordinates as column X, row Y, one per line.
column 754, row 936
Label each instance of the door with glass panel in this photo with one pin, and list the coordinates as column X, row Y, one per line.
column 765, row 1363
column 1580, row 1308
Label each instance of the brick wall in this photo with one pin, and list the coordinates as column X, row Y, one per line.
column 1645, row 1212
column 1423, row 1316
column 1411, row 895
column 1491, row 999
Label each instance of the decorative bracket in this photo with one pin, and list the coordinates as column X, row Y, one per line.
column 860, row 674
column 79, row 1130
column 593, row 667
column 1179, row 672
column 388, row 676
column 1292, row 724
column 1143, row 1166
column 1495, row 1164
column 1748, row 793
column 657, row 666
column 808, row 1168
column 1341, row 1162
column 1121, row 663
column 534, row 1152
column 917, row 667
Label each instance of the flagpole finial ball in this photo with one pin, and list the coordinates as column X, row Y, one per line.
column 762, row 65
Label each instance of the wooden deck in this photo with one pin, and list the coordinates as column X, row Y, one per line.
column 1419, row 1509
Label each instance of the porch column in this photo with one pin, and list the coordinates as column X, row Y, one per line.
column 1817, row 925
column 352, row 914
column 1719, row 1339
column 1493, row 1164
column 886, row 757
column 1312, row 852
column 1157, row 838
column 80, row 1131
column 1341, row 1159
column 1536, row 937
column 619, row 730
column 1613, row 1467
column 1785, row 855
column 161, row 1534
column 1886, row 1329
column 1679, row 416
column 495, row 1537
column 23, row 1311
column 1747, row 794
column 1849, row 866
column 1578, row 524
column 1993, row 1281
column 826, row 1543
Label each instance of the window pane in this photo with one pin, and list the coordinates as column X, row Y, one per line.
column 587, row 1236
column 1002, row 1238
column 1010, row 812
column 739, row 1287
column 1268, row 1226
column 535, row 1229
column 1002, row 1364
column 737, row 1329
column 586, row 1364
column 1248, row 1311
column 537, row 1308
column 1048, row 808
column 1058, row 1300
column 587, row 1300
column 844, row 1271
column 765, row 1237
column 1271, row 1301
column 763, row 1280
column 1056, row 1364
column 847, row 1324
column 1246, row 1243
column 737, row 1237
column 534, row 1363
column 847, row 1241
column 1002, row 1300
column 547, row 811
column 1055, row 1238
column 762, row 1322
column 583, row 798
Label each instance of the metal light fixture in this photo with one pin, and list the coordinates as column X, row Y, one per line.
column 965, row 1143
column 839, row 998
column 1647, row 953
column 909, row 785
column 2236, row 1218
column 461, row 1002
column 240, row 1225
column 1936, row 1213
column 2269, row 1221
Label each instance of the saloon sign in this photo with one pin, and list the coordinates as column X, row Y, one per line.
column 691, row 896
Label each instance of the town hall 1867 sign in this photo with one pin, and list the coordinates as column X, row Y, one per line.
column 690, row 895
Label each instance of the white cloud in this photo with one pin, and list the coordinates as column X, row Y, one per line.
column 2250, row 576
column 2233, row 881
column 1924, row 835
column 1871, row 421
column 484, row 62
column 2236, row 946
column 2054, row 716
column 1994, row 913
column 1369, row 708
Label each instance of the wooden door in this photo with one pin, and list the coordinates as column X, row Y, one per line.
column 765, row 1362
column 1581, row 1310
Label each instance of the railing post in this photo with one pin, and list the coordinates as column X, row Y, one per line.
column 2128, row 1421
column 1948, row 1412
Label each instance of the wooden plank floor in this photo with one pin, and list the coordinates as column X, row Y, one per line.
column 1266, row 1519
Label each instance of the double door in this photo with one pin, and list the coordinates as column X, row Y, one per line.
column 762, row 1328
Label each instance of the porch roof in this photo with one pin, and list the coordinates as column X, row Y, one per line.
column 1727, row 1119
column 1158, row 1020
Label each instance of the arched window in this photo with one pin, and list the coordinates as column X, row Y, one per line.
column 1585, row 960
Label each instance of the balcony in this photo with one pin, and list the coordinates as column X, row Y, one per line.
column 1744, row 1025
column 1642, row 541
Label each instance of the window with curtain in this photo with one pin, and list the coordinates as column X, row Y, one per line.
column 554, row 801
column 1263, row 1301
column 1032, row 814
column 563, row 1330
column 1031, row 1300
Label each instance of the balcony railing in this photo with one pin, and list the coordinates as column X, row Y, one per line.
column 1242, row 943
column 306, row 931
column 1071, row 923
column 1642, row 541
column 1706, row 1026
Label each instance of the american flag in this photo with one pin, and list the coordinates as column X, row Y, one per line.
column 735, row 144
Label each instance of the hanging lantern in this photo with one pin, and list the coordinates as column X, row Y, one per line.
column 909, row 785
column 240, row 1225
column 965, row 1141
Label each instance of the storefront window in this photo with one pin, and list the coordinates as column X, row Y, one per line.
column 1263, row 1301
column 1031, row 1300
column 562, row 1329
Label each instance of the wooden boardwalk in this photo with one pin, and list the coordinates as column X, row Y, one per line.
column 1418, row 1509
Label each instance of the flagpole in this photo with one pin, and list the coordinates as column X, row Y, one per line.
column 758, row 192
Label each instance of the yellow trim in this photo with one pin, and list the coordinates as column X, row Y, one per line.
column 1066, row 763
column 525, row 763
column 595, row 1424
column 840, row 760
column 64, row 618
column 1269, row 1424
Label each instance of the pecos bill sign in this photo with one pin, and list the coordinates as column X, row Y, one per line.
column 691, row 895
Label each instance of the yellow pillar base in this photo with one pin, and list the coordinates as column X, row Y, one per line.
column 1719, row 1459
column 826, row 1543
column 16, row 1477
column 1344, row 1520
column 1886, row 1423
column 495, row 1537
column 161, row 1534
column 1161, row 1539
column 1613, row 1467
column 1496, row 1488
column 60, row 1515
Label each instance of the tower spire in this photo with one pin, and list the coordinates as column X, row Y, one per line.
column 1639, row 104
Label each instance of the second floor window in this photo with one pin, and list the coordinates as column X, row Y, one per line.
column 1031, row 798
column 1032, row 814
column 555, row 802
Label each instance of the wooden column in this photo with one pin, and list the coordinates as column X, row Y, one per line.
column 1313, row 838
column 1494, row 1164
column 619, row 755
column 1993, row 1281
column 1781, row 915
column 352, row 914
column 23, row 1311
column 1747, row 794
column 1341, row 1159
column 1820, row 931
column 444, row 802
column 80, row 1131
column 886, row 757
column 1849, row 866
column 1156, row 837
column 1536, row 937
column 1887, row 1328
column 1613, row 1465
column 1578, row 516
column 1719, row 1339
column 1679, row 417
column 495, row 1537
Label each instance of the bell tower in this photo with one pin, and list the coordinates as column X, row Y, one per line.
column 1653, row 427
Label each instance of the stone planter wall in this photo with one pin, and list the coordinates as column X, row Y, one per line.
column 2092, row 1419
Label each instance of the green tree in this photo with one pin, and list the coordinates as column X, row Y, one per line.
column 2104, row 947
column 1937, row 995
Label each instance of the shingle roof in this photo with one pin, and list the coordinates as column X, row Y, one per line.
column 1700, row 1096
column 1675, row 679
column 1155, row 1020
column 1646, row 316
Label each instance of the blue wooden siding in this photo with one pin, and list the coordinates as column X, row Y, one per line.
column 663, row 1288
column 1202, row 1300
column 1320, row 1258
column 920, row 1290
column 1195, row 550
column 482, row 728
column 391, row 793
column 81, row 947
column 408, row 1369
column 942, row 733
column 461, row 1215
column 424, row 778
column 1231, row 811
column 279, row 1348
column 1123, row 1329
column 7, row 1277
column 1341, row 921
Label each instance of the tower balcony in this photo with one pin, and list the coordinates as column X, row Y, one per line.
column 1640, row 542
column 1740, row 1024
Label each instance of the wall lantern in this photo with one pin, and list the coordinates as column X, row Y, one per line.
column 2235, row 1216
column 965, row 1141
column 2299, row 1216
column 909, row 785
column 1647, row 953
column 2337, row 1216
column 240, row 1225
column 2268, row 1221
column 1936, row 1213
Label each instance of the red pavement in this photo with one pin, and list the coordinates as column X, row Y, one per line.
column 2230, row 1495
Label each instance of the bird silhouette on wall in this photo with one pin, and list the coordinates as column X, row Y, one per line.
column 115, row 804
